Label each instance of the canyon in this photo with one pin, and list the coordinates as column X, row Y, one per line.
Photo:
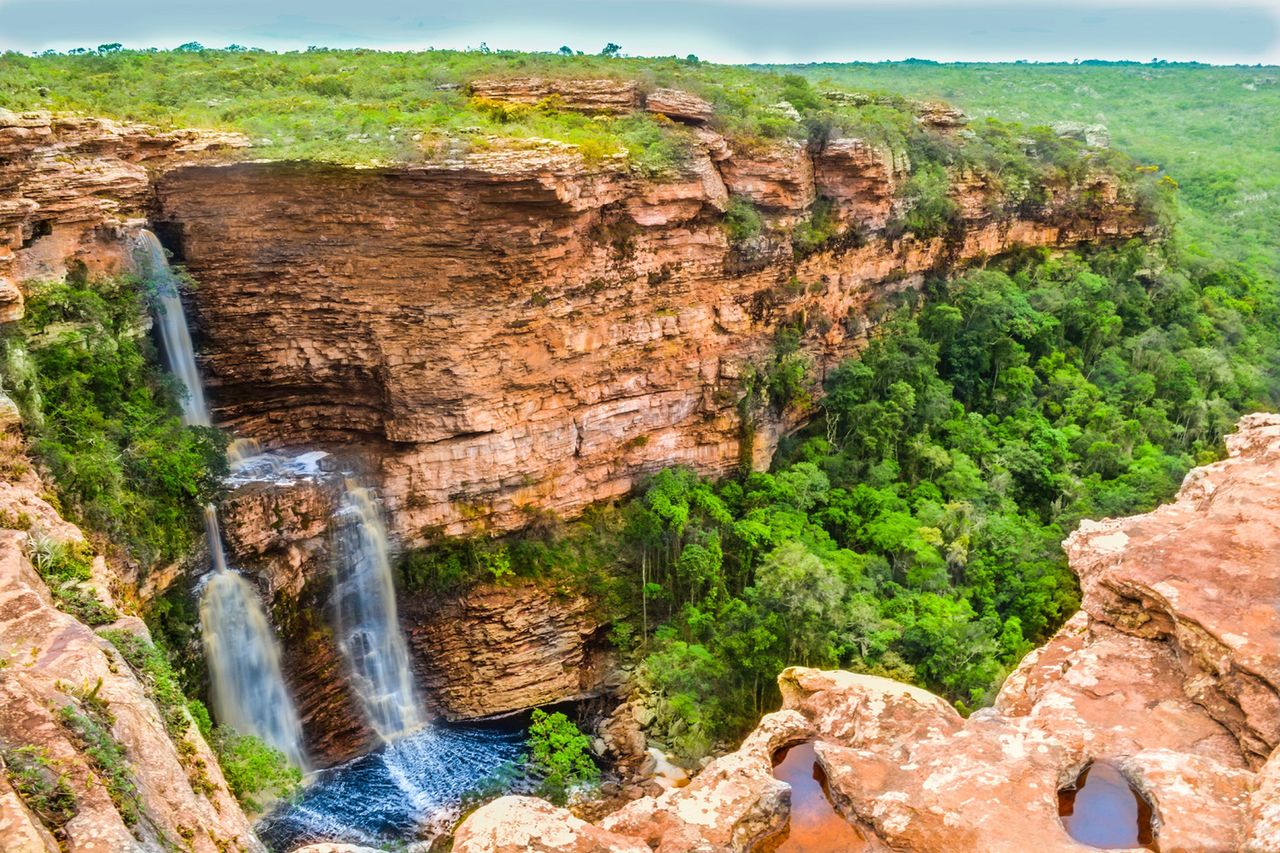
column 514, row 331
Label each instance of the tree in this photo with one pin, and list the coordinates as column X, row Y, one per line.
column 794, row 584
column 565, row 50
column 562, row 753
column 611, row 50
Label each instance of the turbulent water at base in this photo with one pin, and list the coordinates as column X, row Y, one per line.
column 368, row 631
column 249, row 693
column 405, row 790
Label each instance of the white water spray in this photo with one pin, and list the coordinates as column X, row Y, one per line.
column 249, row 692
column 244, row 664
column 368, row 632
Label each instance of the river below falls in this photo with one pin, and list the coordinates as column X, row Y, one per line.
column 410, row 789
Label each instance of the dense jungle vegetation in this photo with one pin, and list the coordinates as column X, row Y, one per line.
column 913, row 530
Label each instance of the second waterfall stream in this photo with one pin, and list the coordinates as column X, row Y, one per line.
column 249, row 693
column 365, row 610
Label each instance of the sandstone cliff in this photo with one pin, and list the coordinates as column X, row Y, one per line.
column 49, row 661
column 486, row 650
column 70, row 189
column 521, row 328
column 1170, row 671
column 516, row 327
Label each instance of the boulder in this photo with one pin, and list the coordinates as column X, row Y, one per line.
column 530, row 825
column 680, row 105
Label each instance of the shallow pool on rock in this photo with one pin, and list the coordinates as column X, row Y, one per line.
column 1103, row 810
column 393, row 794
column 815, row 825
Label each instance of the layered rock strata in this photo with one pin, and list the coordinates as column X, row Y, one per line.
column 520, row 329
column 487, row 650
column 279, row 531
column 70, row 188
column 1169, row 672
column 49, row 661
column 494, row 649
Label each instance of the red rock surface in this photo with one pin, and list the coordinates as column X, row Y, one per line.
column 592, row 95
column 519, row 329
column 47, row 657
column 494, row 648
column 1168, row 673
column 69, row 185
column 678, row 104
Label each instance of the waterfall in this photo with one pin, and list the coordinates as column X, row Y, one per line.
column 249, row 692
column 365, row 606
column 244, row 664
column 178, row 352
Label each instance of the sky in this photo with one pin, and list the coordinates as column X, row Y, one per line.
column 1223, row 32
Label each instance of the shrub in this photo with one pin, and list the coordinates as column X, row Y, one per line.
column 931, row 212
column 40, row 784
column 818, row 230
column 89, row 726
column 104, row 418
column 742, row 221
column 561, row 753
column 255, row 772
column 65, row 569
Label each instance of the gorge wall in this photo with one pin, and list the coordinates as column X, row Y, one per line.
column 517, row 329
column 1171, row 671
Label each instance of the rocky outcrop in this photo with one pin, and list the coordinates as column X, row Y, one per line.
column 1169, row 672
column 494, row 649
column 278, row 530
column 679, row 105
column 591, row 95
column 50, row 662
column 69, row 185
column 530, row 825
column 519, row 329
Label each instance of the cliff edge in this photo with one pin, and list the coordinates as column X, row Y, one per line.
column 1170, row 672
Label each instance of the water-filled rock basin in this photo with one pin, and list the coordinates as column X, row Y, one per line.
column 815, row 825
column 1103, row 810
column 402, row 791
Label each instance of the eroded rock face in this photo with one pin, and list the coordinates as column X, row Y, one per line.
column 520, row 329
column 592, row 95
column 279, row 532
column 49, row 657
column 69, row 188
column 495, row 649
column 1168, row 672
column 678, row 104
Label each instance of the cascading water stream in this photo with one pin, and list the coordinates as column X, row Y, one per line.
column 178, row 352
column 368, row 632
column 249, row 692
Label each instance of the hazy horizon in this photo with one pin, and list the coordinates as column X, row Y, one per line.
column 731, row 31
